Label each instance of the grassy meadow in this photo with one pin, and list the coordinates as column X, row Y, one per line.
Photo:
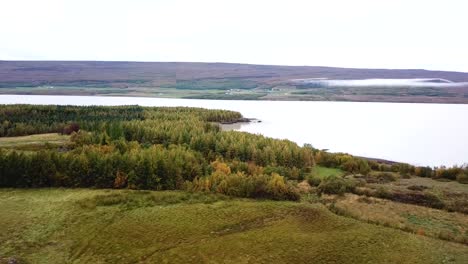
column 324, row 172
column 122, row 226
column 34, row 142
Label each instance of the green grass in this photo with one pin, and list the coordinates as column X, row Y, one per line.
column 34, row 142
column 120, row 226
column 216, row 84
column 430, row 223
column 324, row 172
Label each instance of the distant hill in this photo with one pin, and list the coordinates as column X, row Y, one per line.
column 220, row 81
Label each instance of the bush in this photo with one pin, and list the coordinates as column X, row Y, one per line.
column 249, row 186
column 381, row 177
column 355, row 165
column 423, row 172
column 336, row 185
column 70, row 128
column 121, row 180
column 462, row 178
column 383, row 193
column 314, row 180
column 449, row 173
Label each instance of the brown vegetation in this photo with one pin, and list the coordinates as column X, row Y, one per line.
column 412, row 218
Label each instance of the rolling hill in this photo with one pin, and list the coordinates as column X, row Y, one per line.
column 226, row 81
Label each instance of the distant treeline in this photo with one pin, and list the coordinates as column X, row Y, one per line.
column 150, row 148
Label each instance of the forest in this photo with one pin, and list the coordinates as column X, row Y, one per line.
column 162, row 148
column 149, row 148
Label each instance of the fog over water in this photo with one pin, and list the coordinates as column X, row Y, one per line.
column 420, row 134
column 375, row 83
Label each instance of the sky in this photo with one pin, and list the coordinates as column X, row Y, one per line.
column 423, row 34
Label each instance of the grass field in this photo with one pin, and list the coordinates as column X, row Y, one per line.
column 34, row 142
column 120, row 226
column 324, row 172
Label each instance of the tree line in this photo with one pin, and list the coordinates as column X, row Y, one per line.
column 156, row 148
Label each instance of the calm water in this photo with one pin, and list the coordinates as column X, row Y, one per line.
column 421, row 134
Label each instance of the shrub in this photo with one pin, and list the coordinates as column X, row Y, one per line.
column 381, row 177
column 81, row 138
column 385, row 167
column 70, row 128
column 364, row 168
column 277, row 188
column 336, row 185
column 121, row 180
column 462, row 178
column 449, row 173
column 314, row 180
column 423, row 171
column 383, row 193
column 250, row 186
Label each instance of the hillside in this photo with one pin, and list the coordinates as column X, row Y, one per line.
column 122, row 226
column 223, row 81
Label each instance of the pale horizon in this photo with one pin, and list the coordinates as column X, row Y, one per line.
column 360, row 34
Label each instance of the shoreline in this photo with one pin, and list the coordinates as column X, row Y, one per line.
column 241, row 120
column 344, row 100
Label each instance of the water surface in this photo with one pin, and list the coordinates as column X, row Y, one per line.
column 421, row 134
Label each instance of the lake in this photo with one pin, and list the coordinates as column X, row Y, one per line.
column 420, row 134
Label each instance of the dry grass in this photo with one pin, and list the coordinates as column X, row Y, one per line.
column 452, row 194
column 417, row 219
column 439, row 186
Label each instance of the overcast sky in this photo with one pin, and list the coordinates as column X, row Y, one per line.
column 429, row 34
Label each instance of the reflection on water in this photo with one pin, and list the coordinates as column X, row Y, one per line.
column 235, row 126
column 239, row 125
column 421, row 134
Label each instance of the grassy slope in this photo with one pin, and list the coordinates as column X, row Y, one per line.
column 111, row 226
